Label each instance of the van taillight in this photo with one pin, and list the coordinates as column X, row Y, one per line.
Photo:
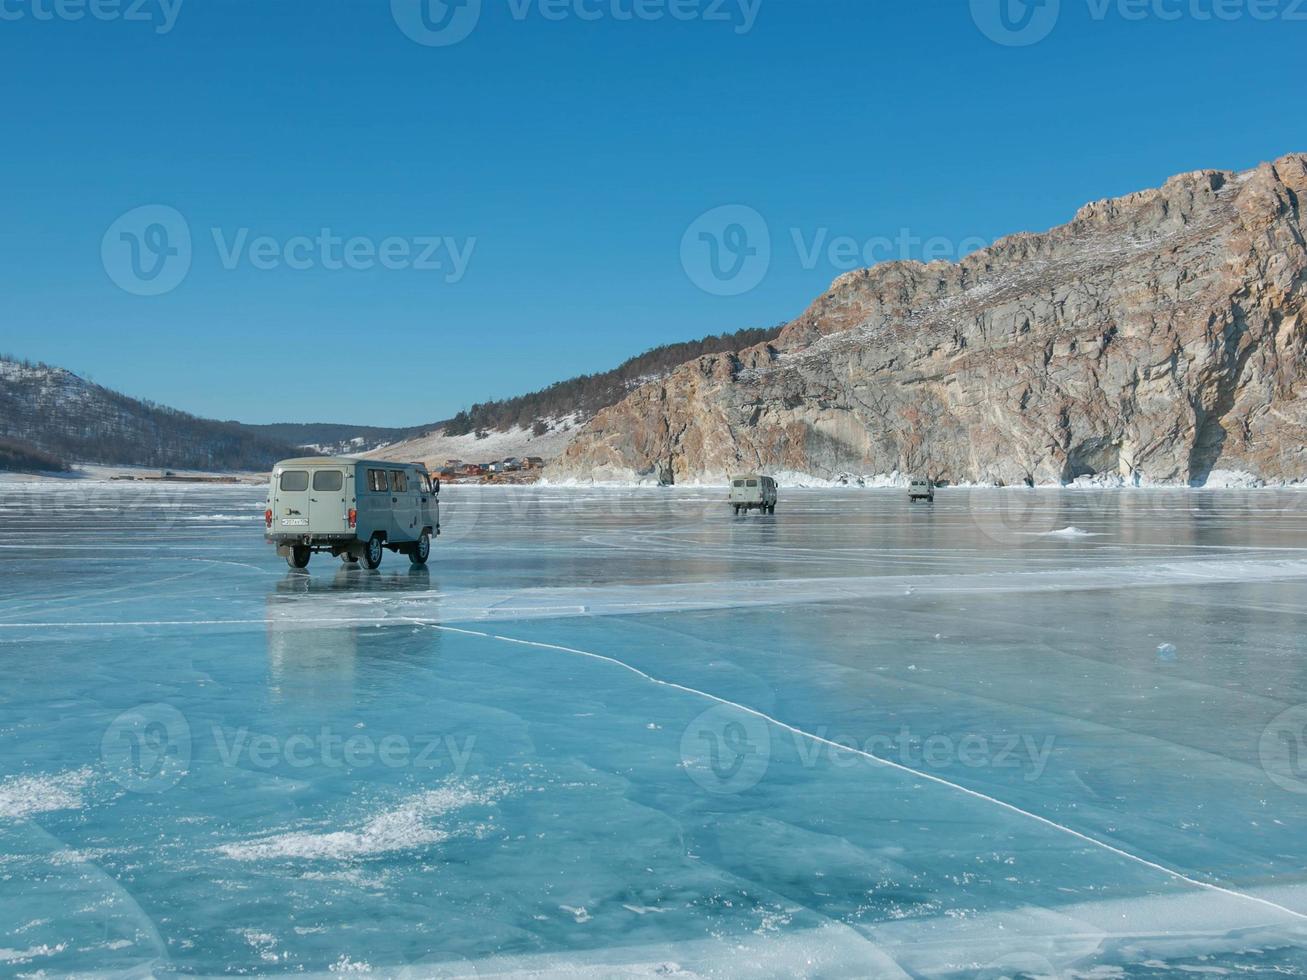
column 267, row 519
column 353, row 518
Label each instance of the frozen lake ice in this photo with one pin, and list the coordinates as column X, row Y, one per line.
column 623, row 732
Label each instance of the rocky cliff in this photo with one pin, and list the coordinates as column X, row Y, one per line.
column 1158, row 336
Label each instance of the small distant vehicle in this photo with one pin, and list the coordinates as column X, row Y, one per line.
column 753, row 492
column 353, row 508
column 921, row 489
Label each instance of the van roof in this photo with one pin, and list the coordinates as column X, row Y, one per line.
column 343, row 461
column 750, row 476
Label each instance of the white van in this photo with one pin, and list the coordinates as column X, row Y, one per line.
column 753, row 492
column 352, row 508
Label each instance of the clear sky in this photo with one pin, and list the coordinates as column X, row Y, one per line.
column 553, row 159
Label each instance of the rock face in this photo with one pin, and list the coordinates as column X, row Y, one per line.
column 1158, row 337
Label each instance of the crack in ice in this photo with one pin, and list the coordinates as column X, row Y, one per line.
column 957, row 787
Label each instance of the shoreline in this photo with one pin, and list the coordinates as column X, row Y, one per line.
column 247, row 481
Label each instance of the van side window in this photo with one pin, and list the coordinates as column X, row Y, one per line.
column 295, row 480
column 377, row 481
column 398, row 481
column 328, row 480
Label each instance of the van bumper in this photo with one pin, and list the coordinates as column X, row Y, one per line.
column 311, row 540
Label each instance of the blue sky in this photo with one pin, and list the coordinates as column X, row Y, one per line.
column 554, row 163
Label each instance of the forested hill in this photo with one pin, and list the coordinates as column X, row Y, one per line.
column 48, row 415
column 587, row 394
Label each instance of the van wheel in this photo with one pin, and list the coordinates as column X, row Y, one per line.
column 372, row 554
column 299, row 556
column 421, row 551
column 349, row 558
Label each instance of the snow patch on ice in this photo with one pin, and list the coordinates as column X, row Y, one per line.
column 406, row 826
column 19, row 956
column 25, row 796
column 1068, row 532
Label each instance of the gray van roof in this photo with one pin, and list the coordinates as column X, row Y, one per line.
column 342, row 461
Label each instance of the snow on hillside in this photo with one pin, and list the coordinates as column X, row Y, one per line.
column 436, row 447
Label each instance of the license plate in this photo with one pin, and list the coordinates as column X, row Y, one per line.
column 294, row 522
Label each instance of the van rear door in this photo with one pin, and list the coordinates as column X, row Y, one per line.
column 290, row 503
column 328, row 502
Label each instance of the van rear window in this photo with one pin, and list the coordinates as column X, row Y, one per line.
column 739, row 483
column 377, row 481
column 753, row 483
column 295, row 480
column 398, row 481
column 328, row 480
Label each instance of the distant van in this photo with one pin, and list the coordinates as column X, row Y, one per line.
column 920, row 488
column 753, row 492
column 352, row 508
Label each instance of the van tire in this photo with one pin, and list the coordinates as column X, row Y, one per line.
column 349, row 558
column 372, row 552
column 299, row 556
column 421, row 551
